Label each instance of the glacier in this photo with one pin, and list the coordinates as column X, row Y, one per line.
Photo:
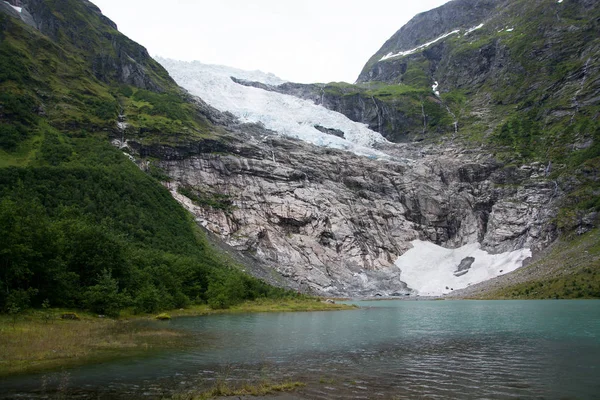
column 284, row 114
column 427, row 269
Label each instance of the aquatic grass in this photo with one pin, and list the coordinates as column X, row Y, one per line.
column 34, row 343
column 266, row 305
column 39, row 340
column 224, row 389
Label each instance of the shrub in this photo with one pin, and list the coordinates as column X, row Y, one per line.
column 147, row 300
column 104, row 298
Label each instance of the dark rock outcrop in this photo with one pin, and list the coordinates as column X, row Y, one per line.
column 464, row 266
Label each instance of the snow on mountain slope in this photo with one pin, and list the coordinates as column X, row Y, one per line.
column 287, row 115
column 432, row 270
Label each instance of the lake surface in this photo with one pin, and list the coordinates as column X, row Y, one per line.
column 386, row 350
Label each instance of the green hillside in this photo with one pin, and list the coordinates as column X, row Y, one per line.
column 81, row 225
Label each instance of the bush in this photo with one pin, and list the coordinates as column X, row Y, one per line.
column 226, row 293
column 148, row 300
column 11, row 136
column 19, row 300
column 105, row 298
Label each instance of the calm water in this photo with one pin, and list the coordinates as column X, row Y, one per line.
column 387, row 350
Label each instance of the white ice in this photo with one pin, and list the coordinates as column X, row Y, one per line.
column 287, row 115
column 559, row 1
column 474, row 29
column 434, row 87
column 421, row 47
column 19, row 9
column 429, row 269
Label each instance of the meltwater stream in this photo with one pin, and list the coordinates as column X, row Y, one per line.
column 386, row 350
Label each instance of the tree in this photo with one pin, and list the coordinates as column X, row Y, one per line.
column 104, row 297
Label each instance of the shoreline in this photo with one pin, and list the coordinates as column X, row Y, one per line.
column 40, row 341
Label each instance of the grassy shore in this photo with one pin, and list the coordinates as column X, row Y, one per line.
column 40, row 340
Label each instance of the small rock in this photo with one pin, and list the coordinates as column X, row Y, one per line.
column 71, row 316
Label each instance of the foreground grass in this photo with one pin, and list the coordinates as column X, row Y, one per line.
column 41, row 341
column 34, row 343
column 222, row 389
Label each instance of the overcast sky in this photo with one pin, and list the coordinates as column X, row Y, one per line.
column 301, row 40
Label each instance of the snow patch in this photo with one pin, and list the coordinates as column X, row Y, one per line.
column 474, row 29
column 287, row 115
column 431, row 270
column 421, row 47
column 559, row 1
column 434, row 87
column 19, row 9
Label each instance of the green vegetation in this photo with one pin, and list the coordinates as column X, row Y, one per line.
column 38, row 340
column 216, row 201
column 526, row 97
column 100, row 234
column 289, row 304
column 81, row 225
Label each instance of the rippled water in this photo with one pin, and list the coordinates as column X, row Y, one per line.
column 387, row 350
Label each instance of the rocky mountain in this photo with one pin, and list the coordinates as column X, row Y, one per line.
column 489, row 152
column 473, row 134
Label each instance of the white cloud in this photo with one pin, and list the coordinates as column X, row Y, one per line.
column 301, row 41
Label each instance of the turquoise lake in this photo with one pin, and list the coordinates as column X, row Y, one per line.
column 385, row 350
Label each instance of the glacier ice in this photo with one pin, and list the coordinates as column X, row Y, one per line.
column 284, row 114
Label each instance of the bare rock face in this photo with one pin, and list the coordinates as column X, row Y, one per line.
column 464, row 266
column 334, row 223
